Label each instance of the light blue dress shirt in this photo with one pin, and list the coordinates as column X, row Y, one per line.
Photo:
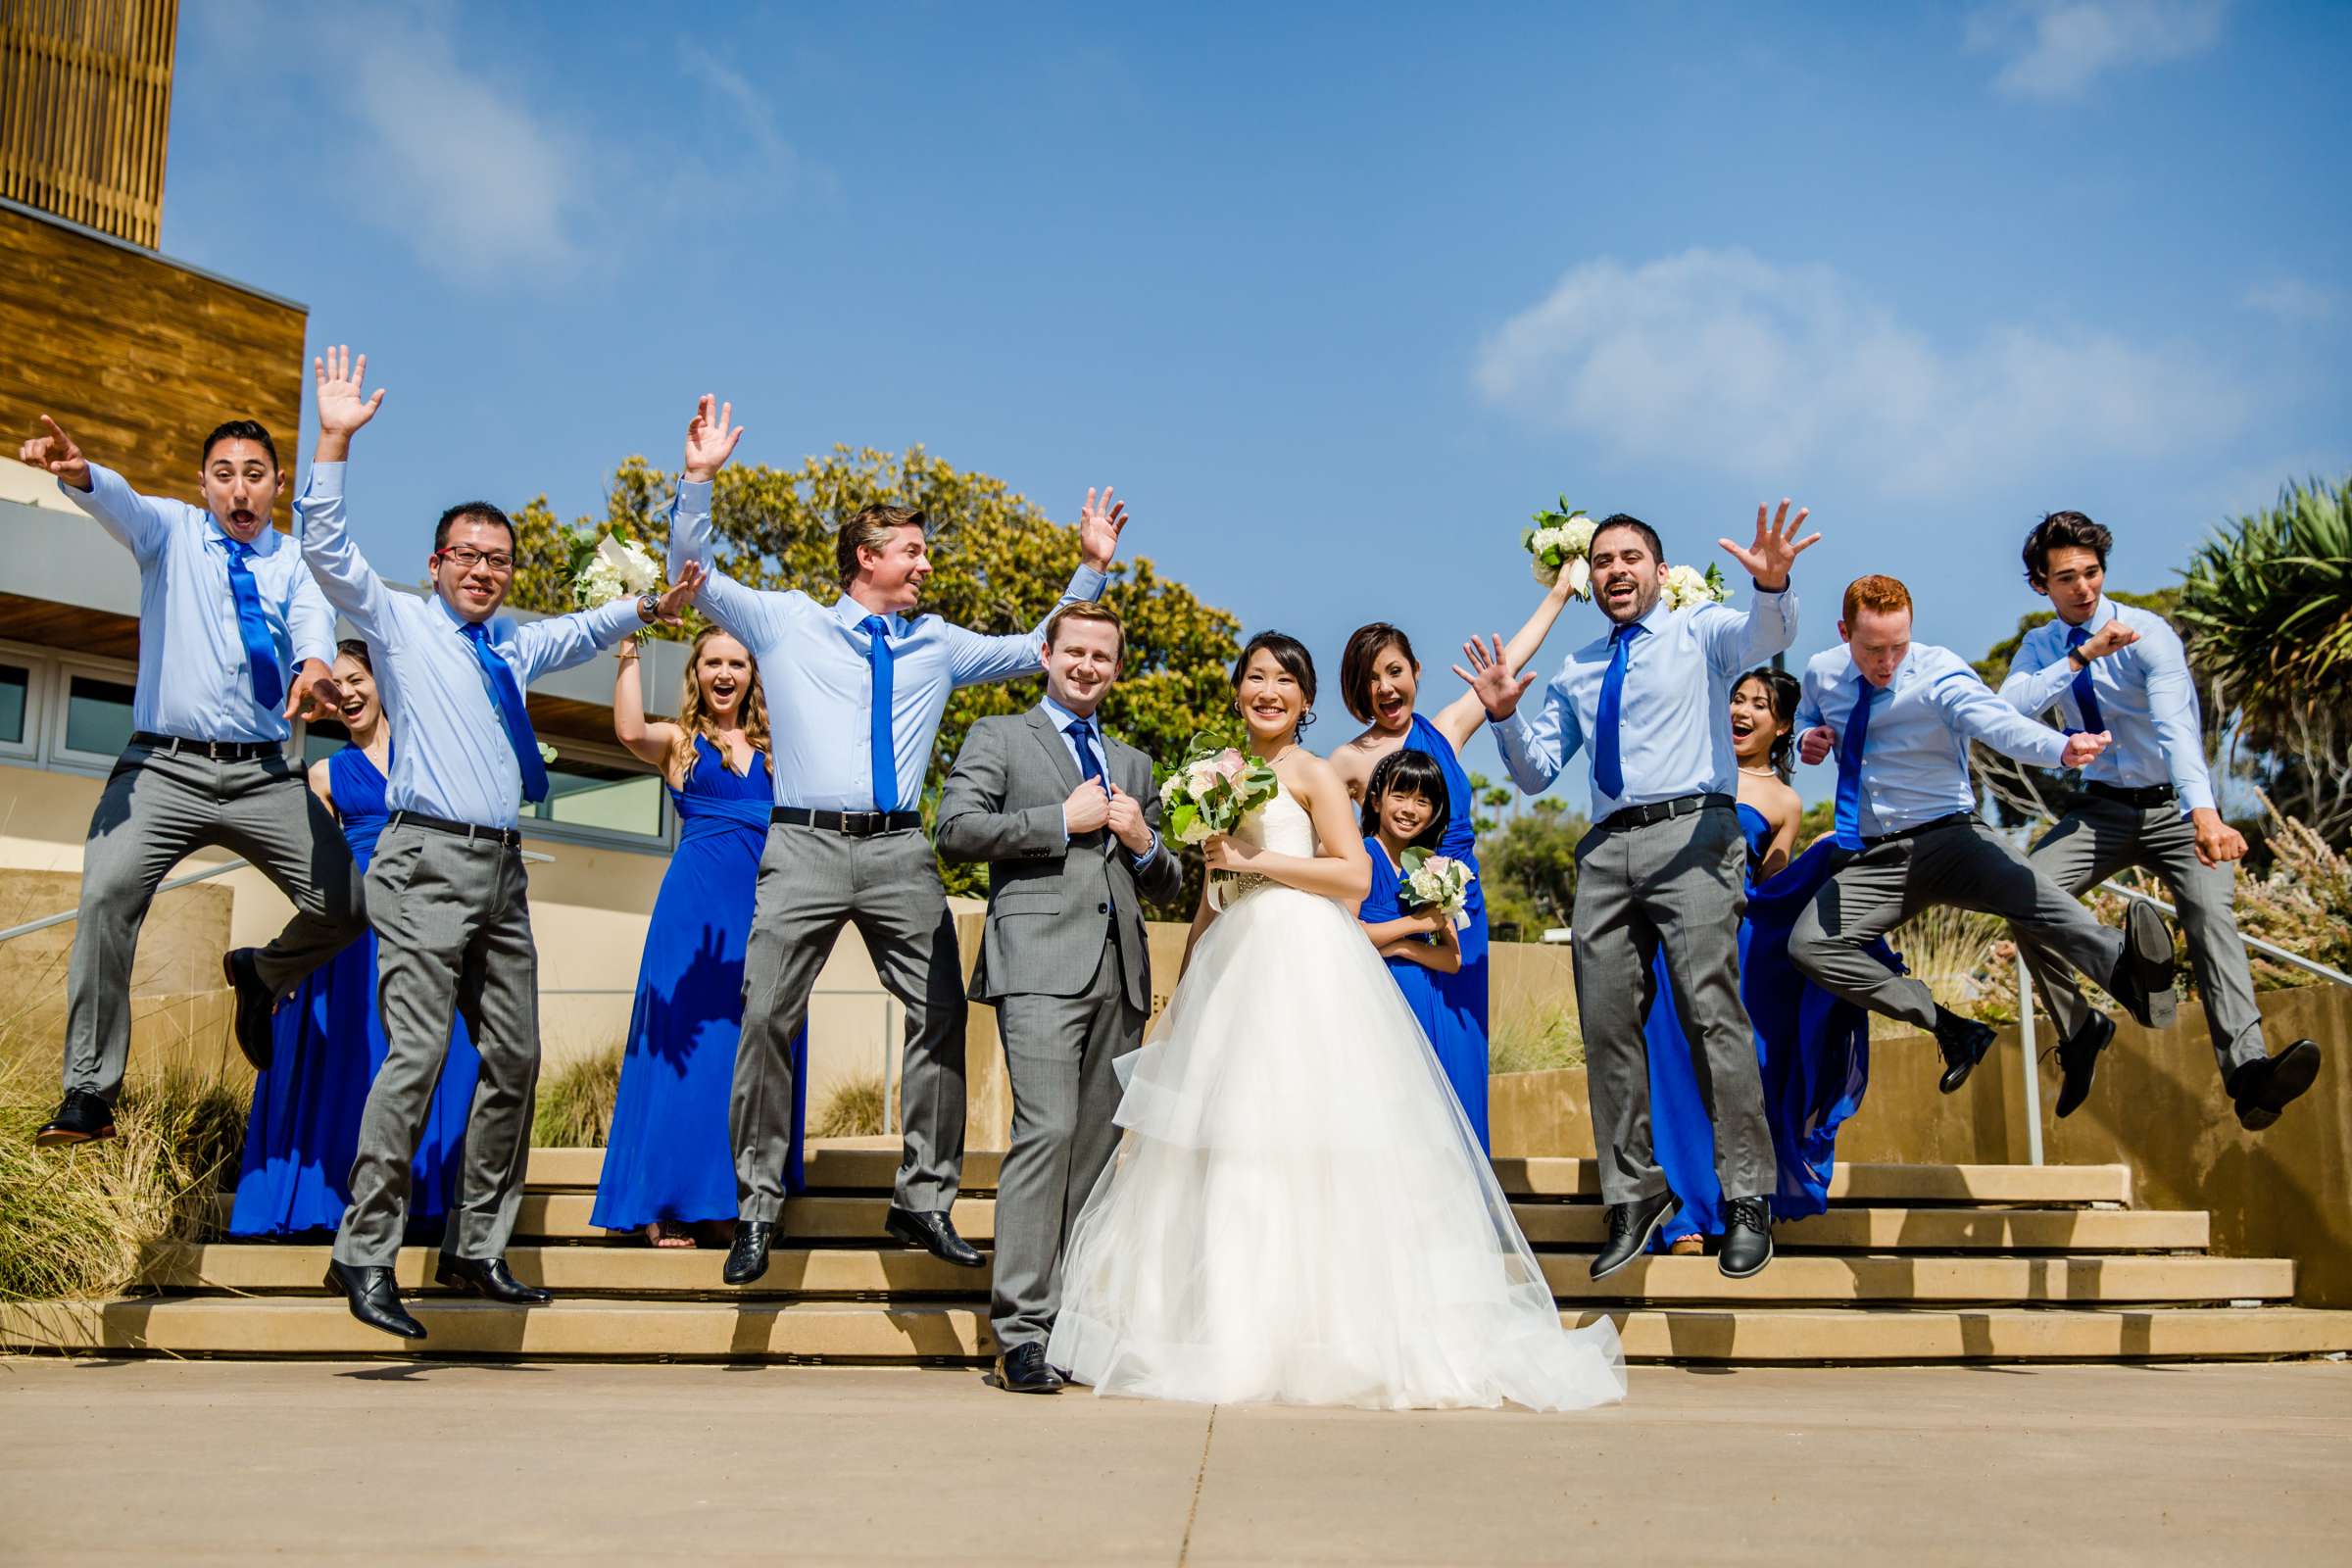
column 2145, row 695
column 1675, row 730
column 195, row 677
column 1062, row 719
column 1915, row 752
column 450, row 755
column 821, row 684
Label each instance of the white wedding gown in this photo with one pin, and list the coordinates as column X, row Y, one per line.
column 1298, row 1211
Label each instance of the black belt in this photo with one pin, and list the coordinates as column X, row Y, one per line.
column 1664, row 810
column 1955, row 820
column 856, row 824
column 2147, row 797
column 217, row 751
column 512, row 838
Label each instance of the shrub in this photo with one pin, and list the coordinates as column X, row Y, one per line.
column 575, row 1109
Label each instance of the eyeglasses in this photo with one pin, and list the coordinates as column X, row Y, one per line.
column 470, row 558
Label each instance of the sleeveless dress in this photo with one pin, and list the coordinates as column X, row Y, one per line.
column 1419, row 982
column 1459, row 1031
column 327, row 1041
column 670, row 1156
column 1297, row 1211
column 1813, row 1049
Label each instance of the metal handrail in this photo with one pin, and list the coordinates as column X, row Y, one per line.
column 2282, row 954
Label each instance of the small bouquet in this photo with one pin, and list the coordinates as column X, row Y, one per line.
column 1685, row 586
column 1558, row 542
column 1216, row 785
column 1439, row 882
column 607, row 564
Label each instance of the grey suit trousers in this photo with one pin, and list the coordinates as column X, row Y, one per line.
column 1059, row 1052
column 1964, row 865
column 812, row 883
column 1678, row 886
column 158, row 807
column 452, row 925
column 2100, row 837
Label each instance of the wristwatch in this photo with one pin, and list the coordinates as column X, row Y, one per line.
column 2073, row 657
column 649, row 608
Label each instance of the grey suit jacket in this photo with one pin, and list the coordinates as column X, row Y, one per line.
column 1050, row 896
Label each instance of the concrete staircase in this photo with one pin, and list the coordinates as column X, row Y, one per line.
column 1911, row 1263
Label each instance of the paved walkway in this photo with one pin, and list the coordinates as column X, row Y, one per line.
column 201, row 1462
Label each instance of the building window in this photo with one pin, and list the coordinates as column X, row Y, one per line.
column 98, row 722
column 19, row 708
column 598, row 795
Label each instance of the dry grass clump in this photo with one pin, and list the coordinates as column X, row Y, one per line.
column 853, row 1109
column 574, row 1106
column 1544, row 1037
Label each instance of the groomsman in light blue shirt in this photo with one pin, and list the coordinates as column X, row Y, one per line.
column 1900, row 715
column 856, row 690
column 2146, row 802
column 1664, row 866
column 446, row 888
column 234, row 642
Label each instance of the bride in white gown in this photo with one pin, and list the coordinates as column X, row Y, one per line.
column 1298, row 1211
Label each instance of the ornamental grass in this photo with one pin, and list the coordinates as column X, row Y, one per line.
column 575, row 1109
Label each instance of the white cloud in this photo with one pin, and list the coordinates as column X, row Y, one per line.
column 2055, row 48
column 2294, row 300
column 1722, row 358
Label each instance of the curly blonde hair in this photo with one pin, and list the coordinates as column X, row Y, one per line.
column 693, row 721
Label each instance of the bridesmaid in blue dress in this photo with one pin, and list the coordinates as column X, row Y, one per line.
column 1380, row 681
column 669, row 1161
column 328, row 1040
column 1813, row 1048
column 1404, row 809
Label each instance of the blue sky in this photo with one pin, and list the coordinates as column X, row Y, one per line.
column 1334, row 295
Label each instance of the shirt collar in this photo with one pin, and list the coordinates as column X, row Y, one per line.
column 459, row 623
column 1062, row 719
column 851, row 613
column 264, row 544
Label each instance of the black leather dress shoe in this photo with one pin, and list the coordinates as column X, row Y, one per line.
column 747, row 1255
column 2143, row 982
column 1963, row 1042
column 1024, row 1370
column 2078, row 1060
column 2262, row 1089
column 1630, row 1226
column 489, row 1277
column 934, row 1233
column 374, row 1300
column 83, row 1118
column 255, row 1003
column 1747, row 1238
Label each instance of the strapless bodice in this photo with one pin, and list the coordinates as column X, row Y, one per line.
column 1282, row 825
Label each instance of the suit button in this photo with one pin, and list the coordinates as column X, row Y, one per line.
column 1103, row 908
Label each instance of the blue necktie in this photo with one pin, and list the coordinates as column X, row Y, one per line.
column 1080, row 732
column 1849, row 768
column 253, row 628
column 510, row 710
column 1609, row 770
column 885, row 752
column 2085, row 698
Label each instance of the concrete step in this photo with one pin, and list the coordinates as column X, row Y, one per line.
column 769, row 1330
column 867, row 1165
column 849, row 1271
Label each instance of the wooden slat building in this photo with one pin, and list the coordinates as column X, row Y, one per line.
column 86, row 108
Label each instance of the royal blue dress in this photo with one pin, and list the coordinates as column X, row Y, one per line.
column 327, row 1041
column 1813, row 1049
column 671, row 1155
column 1460, row 1037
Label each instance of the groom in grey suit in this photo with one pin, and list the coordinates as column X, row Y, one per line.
column 1069, row 823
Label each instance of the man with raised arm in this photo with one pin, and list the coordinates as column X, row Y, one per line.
column 1664, row 866
column 234, row 641
column 447, row 892
column 2146, row 802
column 856, row 690
column 1900, row 715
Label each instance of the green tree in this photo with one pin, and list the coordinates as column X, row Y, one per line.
column 1486, row 798
column 1530, row 868
column 999, row 564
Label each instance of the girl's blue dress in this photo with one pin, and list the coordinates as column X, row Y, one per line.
column 328, row 1043
column 671, row 1155
column 1814, row 1052
column 1461, row 1031
column 1461, row 1050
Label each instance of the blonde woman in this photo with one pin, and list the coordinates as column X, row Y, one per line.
column 669, row 1167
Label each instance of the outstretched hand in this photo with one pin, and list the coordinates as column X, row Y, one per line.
column 710, row 437
column 1490, row 677
column 342, row 406
column 671, row 607
column 316, row 694
column 2084, row 747
column 56, row 453
column 1774, row 548
column 1099, row 530
column 1813, row 746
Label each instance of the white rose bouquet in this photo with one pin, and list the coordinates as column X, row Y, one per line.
column 1685, row 586
column 1210, row 792
column 607, row 564
column 1558, row 542
column 1440, row 882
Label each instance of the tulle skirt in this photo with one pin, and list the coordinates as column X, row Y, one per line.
column 1298, row 1211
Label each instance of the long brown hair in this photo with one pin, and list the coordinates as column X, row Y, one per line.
column 693, row 721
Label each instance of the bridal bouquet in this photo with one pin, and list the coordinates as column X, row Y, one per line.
column 1438, row 882
column 607, row 564
column 1558, row 542
column 1215, row 786
column 1685, row 586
